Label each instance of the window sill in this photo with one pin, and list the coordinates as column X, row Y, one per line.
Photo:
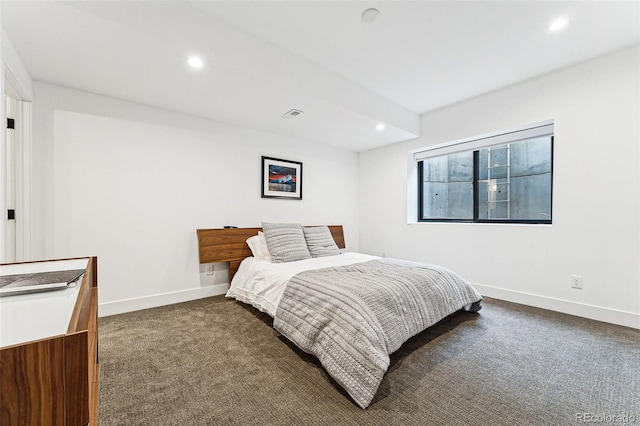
column 533, row 225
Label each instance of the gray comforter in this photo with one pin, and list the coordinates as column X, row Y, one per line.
column 352, row 317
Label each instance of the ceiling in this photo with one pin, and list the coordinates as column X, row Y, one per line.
column 264, row 58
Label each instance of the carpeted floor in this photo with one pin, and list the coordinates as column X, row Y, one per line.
column 215, row 361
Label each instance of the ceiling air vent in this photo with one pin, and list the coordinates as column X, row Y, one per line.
column 292, row 114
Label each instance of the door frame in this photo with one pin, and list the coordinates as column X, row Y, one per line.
column 23, row 176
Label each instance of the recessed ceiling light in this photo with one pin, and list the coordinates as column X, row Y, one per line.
column 558, row 24
column 196, row 62
column 370, row 15
column 380, row 127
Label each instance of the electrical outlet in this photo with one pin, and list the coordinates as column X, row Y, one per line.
column 576, row 281
column 209, row 269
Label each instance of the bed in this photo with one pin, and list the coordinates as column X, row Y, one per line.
column 350, row 310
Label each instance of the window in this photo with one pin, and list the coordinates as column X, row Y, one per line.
column 505, row 178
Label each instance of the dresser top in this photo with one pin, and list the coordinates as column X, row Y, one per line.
column 28, row 317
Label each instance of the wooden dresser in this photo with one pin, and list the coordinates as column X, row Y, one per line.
column 49, row 350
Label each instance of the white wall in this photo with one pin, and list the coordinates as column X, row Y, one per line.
column 596, row 193
column 131, row 184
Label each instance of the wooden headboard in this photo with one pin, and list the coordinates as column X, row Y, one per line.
column 229, row 245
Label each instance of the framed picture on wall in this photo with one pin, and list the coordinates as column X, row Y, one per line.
column 281, row 178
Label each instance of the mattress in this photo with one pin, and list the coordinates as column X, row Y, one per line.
column 261, row 283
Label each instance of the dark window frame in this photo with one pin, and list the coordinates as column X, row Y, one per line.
column 476, row 219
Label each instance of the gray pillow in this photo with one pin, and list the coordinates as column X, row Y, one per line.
column 320, row 241
column 286, row 242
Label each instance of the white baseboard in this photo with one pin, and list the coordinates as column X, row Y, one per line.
column 129, row 305
column 598, row 313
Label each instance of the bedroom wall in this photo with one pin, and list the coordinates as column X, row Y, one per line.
column 131, row 184
column 596, row 193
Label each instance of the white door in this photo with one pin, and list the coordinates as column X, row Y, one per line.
column 15, row 172
column 10, row 180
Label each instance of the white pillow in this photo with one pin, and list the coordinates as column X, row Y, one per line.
column 264, row 247
column 255, row 246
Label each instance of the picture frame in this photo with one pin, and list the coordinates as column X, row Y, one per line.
column 281, row 178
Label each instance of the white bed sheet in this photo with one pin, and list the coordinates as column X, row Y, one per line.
column 261, row 283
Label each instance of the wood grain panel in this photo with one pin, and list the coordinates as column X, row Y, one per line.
column 77, row 378
column 229, row 245
column 83, row 309
column 32, row 383
column 94, row 367
column 224, row 245
column 338, row 235
column 81, row 348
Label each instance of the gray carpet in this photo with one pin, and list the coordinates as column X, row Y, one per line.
column 218, row 362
